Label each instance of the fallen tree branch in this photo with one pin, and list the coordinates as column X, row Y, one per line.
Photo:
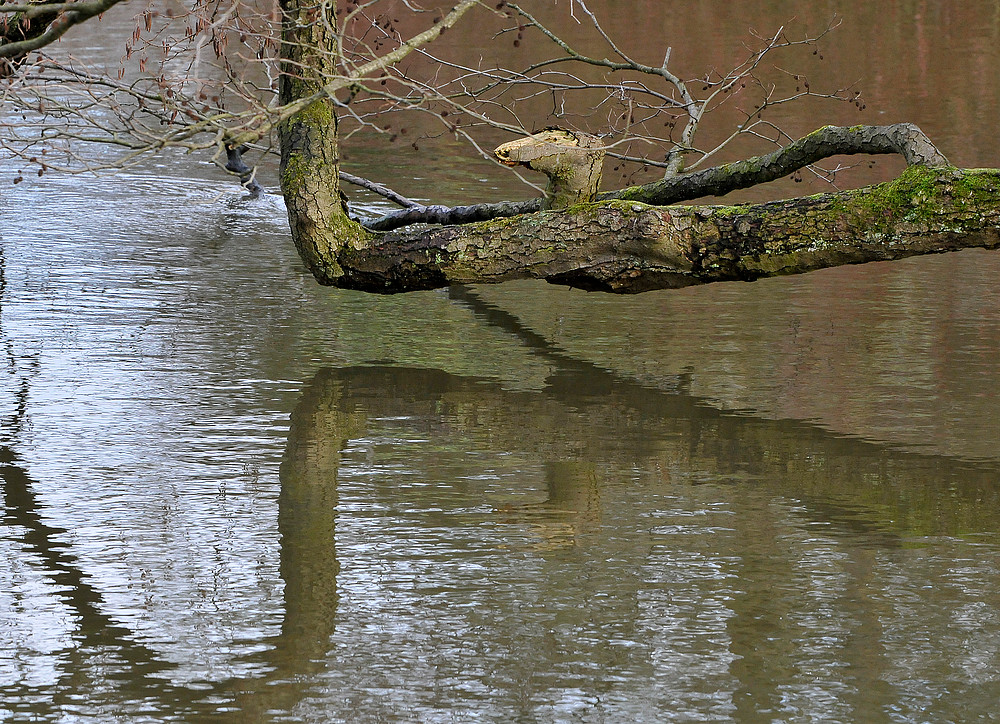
column 447, row 215
column 627, row 246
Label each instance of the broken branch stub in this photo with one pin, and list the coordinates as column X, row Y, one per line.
column 572, row 161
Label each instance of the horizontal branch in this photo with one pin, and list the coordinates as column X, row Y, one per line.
column 627, row 246
column 435, row 214
column 74, row 14
column 904, row 139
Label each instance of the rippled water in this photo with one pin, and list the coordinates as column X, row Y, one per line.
column 232, row 495
column 731, row 502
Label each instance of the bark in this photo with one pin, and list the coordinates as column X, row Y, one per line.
column 624, row 244
column 627, row 246
column 307, row 131
column 37, row 24
column 310, row 157
column 571, row 160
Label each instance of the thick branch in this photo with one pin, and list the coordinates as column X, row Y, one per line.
column 626, row 246
column 902, row 138
column 73, row 14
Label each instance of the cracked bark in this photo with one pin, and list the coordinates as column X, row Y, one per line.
column 627, row 247
column 310, row 154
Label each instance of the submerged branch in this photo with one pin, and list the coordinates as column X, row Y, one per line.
column 236, row 164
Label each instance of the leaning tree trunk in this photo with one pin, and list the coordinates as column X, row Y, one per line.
column 310, row 156
column 628, row 246
column 624, row 244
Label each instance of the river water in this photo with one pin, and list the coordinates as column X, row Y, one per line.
column 232, row 495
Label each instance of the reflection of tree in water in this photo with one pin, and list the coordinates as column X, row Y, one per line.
column 110, row 658
column 589, row 426
column 586, row 428
column 572, row 507
column 859, row 486
column 870, row 496
column 125, row 663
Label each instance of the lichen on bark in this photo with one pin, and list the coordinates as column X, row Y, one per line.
column 623, row 243
column 310, row 153
column 628, row 247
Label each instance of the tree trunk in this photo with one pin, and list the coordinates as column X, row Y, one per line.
column 310, row 156
column 627, row 246
column 623, row 244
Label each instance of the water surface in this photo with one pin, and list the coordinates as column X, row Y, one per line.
column 232, row 495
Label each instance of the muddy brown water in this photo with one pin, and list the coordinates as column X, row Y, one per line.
column 232, row 495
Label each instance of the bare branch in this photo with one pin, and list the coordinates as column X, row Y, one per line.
column 380, row 189
column 902, row 138
column 330, row 89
